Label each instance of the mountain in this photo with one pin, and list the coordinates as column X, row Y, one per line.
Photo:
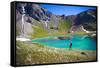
column 87, row 19
column 32, row 19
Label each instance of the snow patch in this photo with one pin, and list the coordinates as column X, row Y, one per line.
column 22, row 39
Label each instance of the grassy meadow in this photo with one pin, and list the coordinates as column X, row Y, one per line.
column 28, row 53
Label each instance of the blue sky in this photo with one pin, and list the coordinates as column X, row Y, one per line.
column 67, row 10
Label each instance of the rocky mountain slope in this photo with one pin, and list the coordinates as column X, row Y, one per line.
column 32, row 17
column 87, row 19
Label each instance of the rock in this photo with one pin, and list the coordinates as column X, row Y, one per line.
column 62, row 38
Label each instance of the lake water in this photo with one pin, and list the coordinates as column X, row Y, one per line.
column 78, row 42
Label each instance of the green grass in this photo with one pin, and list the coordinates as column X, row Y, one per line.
column 64, row 25
column 32, row 53
column 40, row 31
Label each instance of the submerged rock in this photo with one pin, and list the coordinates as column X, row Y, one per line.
column 63, row 38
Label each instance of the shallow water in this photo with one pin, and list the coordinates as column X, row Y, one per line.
column 78, row 42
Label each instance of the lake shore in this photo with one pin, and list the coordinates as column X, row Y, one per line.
column 33, row 53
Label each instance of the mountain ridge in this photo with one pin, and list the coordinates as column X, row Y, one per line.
column 35, row 15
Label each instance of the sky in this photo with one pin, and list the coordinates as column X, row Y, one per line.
column 66, row 10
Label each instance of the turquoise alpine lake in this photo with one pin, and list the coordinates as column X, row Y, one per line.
column 78, row 42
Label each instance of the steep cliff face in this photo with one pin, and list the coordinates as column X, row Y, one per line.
column 23, row 25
